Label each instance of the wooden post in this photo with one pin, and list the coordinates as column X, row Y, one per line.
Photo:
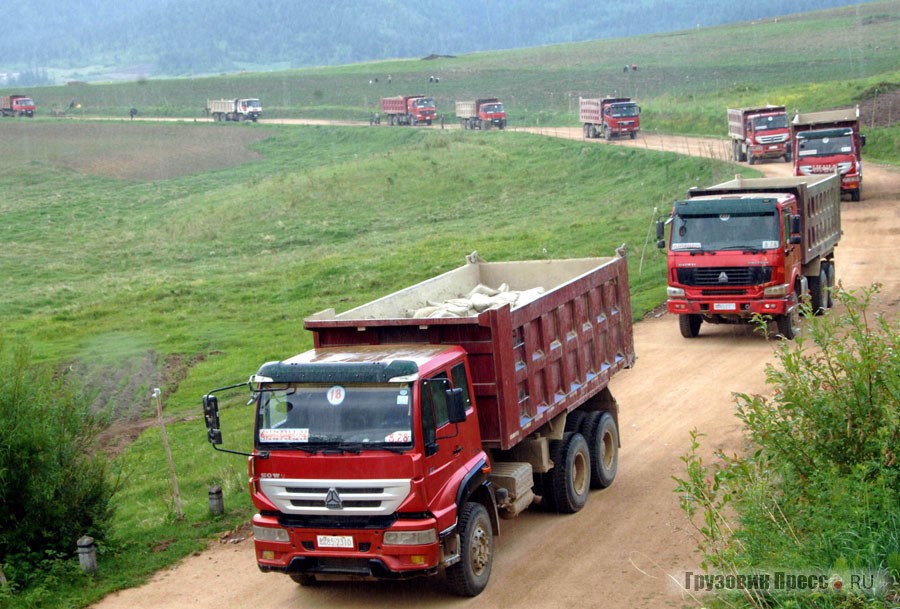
column 87, row 555
column 165, row 438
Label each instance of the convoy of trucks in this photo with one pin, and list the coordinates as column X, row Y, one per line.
column 17, row 105
column 609, row 117
column 481, row 113
column 409, row 109
column 760, row 132
column 829, row 141
column 248, row 109
column 752, row 246
column 393, row 448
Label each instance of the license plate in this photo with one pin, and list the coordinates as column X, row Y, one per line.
column 724, row 306
column 334, row 541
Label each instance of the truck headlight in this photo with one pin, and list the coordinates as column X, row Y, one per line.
column 410, row 538
column 777, row 290
column 674, row 292
column 271, row 534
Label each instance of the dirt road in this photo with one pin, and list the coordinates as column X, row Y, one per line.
column 630, row 546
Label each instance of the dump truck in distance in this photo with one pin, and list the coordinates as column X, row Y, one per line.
column 759, row 133
column 249, row 109
column 609, row 117
column 752, row 247
column 481, row 114
column 394, row 446
column 827, row 142
column 409, row 109
column 17, row 105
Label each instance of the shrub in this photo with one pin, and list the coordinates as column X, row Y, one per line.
column 821, row 489
column 54, row 487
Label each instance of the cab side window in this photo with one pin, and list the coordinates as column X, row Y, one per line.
column 461, row 381
column 434, row 406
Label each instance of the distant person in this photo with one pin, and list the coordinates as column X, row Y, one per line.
column 625, row 69
column 132, row 113
column 389, row 79
column 71, row 104
column 634, row 67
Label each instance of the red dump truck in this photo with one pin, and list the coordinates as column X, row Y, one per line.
column 393, row 447
column 248, row 109
column 829, row 141
column 759, row 133
column 752, row 246
column 481, row 114
column 609, row 117
column 17, row 105
column 409, row 109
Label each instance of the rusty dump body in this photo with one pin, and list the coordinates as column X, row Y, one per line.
column 528, row 363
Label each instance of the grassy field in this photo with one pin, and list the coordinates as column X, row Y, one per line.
column 684, row 79
column 182, row 256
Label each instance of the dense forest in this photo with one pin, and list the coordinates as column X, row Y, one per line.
column 152, row 38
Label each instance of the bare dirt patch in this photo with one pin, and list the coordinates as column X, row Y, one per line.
column 131, row 151
column 882, row 110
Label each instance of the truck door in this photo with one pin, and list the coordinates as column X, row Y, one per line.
column 443, row 444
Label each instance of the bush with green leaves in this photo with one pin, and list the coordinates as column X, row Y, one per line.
column 54, row 485
column 821, row 488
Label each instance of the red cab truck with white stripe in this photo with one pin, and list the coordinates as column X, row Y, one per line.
column 17, row 105
column 752, row 246
column 827, row 142
column 759, row 133
column 395, row 446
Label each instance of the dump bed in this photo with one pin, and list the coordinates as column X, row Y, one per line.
column 737, row 119
column 818, row 200
column 220, row 105
column 827, row 119
column 528, row 362
column 397, row 104
column 589, row 110
column 466, row 109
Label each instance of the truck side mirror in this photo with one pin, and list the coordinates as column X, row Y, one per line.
column 211, row 415
column 795, row 225
column 660, row 234
column 456, row 406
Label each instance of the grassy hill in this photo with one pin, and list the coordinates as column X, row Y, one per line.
column 812, row 61
column 181, row 256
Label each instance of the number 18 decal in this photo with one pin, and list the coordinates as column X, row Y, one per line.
column 336, row 395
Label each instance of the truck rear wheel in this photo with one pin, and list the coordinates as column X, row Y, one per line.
column 470, row 575
column 570, row 478
column 689, row 324
column 602, row 435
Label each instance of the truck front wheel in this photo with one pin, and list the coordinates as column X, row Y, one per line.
column 789, row 323
column 570, row 478
column 818, row 292
column 304, row 579
column 689, row 324
column 470, row 575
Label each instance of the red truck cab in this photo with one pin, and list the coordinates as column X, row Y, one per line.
column 390, row 449
column 759, row 133
column 751, row 247
column 828, row 142
column 17, row 105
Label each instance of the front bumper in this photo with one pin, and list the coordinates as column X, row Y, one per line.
column 724, row 309
column 315, row 551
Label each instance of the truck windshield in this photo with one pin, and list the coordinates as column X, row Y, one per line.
column 824, row 146
column 340, row 416
column 253, row 103
column 710, row 227
column 763, row 123
column 492, row 108
column 623, row 110
column 425, row 102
